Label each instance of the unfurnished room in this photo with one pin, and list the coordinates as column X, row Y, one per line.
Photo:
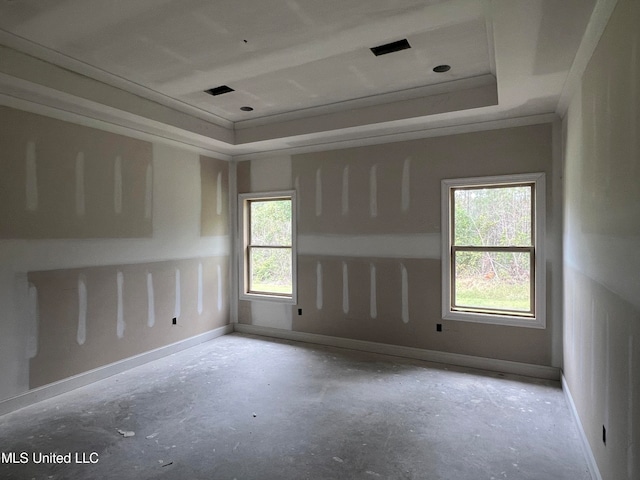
column 304, row 239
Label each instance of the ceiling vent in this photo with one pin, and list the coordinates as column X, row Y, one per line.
column 391, row 47
column 219, row 90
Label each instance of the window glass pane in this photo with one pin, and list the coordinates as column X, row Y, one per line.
column 270, row 222
column 497, row 216
column 498, row 280
column 270, row 270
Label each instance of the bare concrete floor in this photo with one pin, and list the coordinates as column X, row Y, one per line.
column 243, row 407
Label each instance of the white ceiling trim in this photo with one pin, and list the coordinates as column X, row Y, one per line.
column 378, row 138
column 373, row 100
column 100, row 122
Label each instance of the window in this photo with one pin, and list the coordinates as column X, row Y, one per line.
column 492, row 258
column 267, row 226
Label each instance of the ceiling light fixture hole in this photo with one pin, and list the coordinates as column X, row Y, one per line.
column 246, row 109
column 442, row 68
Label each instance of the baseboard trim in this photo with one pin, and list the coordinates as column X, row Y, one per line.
column 586, row 447
column 100, row 373
column 503, row 366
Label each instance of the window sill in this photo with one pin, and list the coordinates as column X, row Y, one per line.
column 494, row 319
column 263, row 297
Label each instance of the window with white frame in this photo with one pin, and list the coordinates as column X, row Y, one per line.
column 493, row 263
column 268, row 260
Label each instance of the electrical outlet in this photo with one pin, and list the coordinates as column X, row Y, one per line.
column 299, row 311
column 174, row 321
column 604, row 435
column 438, row 327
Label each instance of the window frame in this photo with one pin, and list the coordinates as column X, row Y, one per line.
column 534, row 319
column 244, row 247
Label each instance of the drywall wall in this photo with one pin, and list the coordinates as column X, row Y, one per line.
column 369, row 240
column 104, row 239
column 602, row 247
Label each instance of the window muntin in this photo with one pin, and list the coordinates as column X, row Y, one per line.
column 268, row 232
column 491, row 251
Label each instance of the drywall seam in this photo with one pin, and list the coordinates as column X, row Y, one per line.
column 68, row 384
column 405, row 293
column 235, row 248
column 469, row 361
column 148, row 192
column 318, row 285
column 80, row 194
column 345, row 288
column 81, row 335
column 120, row 325
column 219, row 277
column 586, row 447
column 345, row 190
column 373, row 191
column 405, row 193
column 31, row 177
column 117, row 185
column 219, row 194
column 151, row 309
column 373, row 300
column 318, row 192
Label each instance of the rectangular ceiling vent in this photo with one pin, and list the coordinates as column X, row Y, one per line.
column 391, row 47
column 219, row 90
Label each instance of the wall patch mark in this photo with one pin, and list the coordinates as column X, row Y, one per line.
column 120, row 325
column 319, row 285
column 406, row 187
column 345, row 190
column 318, row 192
column 32, row 178
column 405, row 293
column 373, row 191
column 345, row 287
column 151, row 308
column 80, row 199
column 200, row 288
column 117, row 185
column 81, row 335
column 373, row 301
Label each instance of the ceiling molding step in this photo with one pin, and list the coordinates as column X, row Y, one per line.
column 26, row 76
column 113, row 125
column 595, row 28
column 451, row 98
column 53, row 57
column 369, row 101
column 377, row 139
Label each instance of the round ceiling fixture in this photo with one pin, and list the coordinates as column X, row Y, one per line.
column 442, row 68
column 246, row 109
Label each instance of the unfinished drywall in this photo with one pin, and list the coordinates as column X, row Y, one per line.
column 214, row 197
column 77, row 299
column 602, row 247
column 121, row 311
column 61, row 180
column 369, row 241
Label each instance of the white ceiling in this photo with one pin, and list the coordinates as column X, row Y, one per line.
column 304, row 66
